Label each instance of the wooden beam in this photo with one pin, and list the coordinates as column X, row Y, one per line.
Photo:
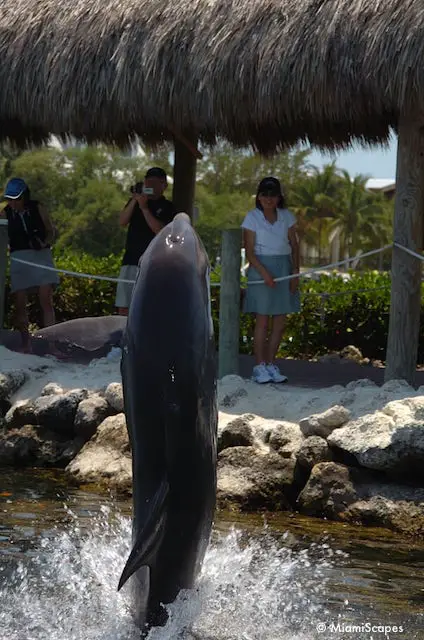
column 184, row 177
column 4, row 241
column 229, row 305
column 405, row 304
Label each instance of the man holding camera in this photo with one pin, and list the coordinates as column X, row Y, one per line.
column 146, row 213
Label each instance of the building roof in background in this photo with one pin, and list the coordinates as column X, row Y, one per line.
column 381, row 184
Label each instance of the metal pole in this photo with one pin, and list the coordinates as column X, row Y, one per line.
column 229, row 306
column 4, row 241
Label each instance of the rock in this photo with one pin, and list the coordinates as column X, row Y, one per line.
column 353, row 495
column 56, row 412
column 90, row 413
column 404, row 516
column 51, row 389
column 32, row 446
column 115, row 397
column 313, row 451
column 329, row 491
column 20, row 414
column 391, row 440
column 106, row 458
column 286, row 438
column 232, row 398
column 360, row 384
column 354, row 354
column 250, row 479
column 323, row 424
column 398, row 386
column 10, row 382
column 237, row 433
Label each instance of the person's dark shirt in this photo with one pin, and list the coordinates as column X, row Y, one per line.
column 139, row 234
column 25, row 228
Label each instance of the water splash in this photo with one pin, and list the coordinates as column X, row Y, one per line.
column 248, row 589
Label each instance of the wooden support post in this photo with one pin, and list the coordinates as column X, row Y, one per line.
column 4, row 241
column 184, row 178
column 229, row 306
column 405, row 305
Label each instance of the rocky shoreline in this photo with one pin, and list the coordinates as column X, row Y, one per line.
column 353, row 465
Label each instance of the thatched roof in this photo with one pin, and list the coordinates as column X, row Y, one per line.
column 260, row 72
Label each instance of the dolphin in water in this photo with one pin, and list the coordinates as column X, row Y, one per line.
column 169, row 377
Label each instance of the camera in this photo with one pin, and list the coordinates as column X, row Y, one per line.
column 137, row 188
column 140, row 188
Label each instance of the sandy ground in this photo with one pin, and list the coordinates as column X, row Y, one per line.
column 237, row 396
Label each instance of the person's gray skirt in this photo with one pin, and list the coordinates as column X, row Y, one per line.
column 24, row 277
column 271, row 301
column 124, row 289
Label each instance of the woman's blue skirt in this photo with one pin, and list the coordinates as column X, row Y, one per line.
column 271, row 301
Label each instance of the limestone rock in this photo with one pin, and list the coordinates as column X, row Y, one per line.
column 52, row 389
column 286, row 438
column 90, row 413
column 322, row 424
column 237, row 433
column 329, row 491
column 313, row 451
column 251, row 479
column 115, row 397
column 106, row 458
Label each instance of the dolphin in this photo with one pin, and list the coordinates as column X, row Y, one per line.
column 169, row 378
column 80, row 340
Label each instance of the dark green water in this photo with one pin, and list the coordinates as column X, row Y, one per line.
column 62, row 550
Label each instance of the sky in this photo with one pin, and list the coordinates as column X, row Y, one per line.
column 377, row 163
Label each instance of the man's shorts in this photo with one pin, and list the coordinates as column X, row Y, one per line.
column 124, row 290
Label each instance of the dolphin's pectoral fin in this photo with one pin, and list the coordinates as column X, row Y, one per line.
column 149, row 536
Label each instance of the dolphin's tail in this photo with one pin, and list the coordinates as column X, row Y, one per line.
column 149, row 536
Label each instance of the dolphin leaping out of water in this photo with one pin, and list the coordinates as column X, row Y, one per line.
column 169, row 383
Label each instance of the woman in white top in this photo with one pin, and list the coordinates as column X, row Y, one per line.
column 272, row 251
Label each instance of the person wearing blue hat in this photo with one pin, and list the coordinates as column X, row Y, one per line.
column 272, row 250
column 31, row 234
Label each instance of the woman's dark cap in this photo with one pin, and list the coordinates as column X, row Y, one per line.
column 270, row 186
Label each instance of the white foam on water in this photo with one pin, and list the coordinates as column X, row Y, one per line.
column 248, row 590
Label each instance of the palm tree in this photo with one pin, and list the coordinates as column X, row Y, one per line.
column 361, row 217
column 315, row 200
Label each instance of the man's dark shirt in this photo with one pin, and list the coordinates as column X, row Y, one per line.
column 139, row 234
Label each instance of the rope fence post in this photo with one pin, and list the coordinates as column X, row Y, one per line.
column 405, row 299
column 229, row 304
column 4, row 241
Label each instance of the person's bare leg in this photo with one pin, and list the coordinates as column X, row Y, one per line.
column 46, row 301
column 278, row 325
column 260, row 338
column 21, row 320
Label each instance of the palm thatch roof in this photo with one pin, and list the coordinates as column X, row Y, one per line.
column 265, row 73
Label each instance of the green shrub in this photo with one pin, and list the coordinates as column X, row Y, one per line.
column 326, row 322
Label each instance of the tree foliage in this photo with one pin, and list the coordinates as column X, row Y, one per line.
column 84, row 188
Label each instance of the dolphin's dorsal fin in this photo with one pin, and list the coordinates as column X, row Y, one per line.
column 148, row 537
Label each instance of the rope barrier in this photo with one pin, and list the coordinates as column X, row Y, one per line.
column 328, row 266
column 76, row 274
column 411, row 253
column 304, row 274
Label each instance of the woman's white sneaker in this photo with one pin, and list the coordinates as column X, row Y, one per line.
column 275, row 373
column 261, row 374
